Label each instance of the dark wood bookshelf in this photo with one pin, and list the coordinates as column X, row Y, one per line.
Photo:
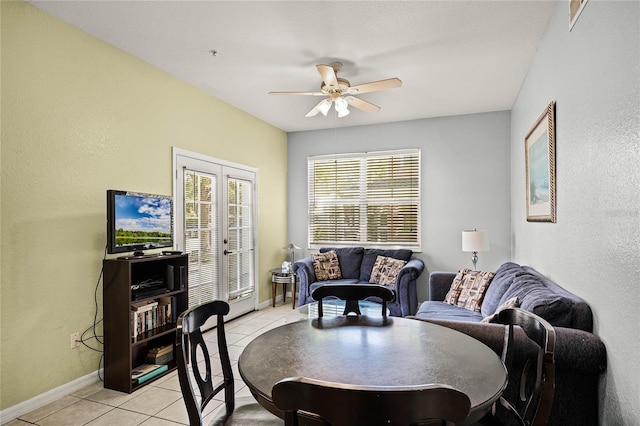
column 125, row 350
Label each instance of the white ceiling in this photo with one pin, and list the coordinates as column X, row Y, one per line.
column 454, row 57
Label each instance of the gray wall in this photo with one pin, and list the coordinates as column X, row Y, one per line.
column 465, row 182
column 593, row 74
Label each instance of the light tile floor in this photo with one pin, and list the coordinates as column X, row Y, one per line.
column 159, row 403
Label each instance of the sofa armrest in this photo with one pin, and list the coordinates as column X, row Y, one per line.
column 439, row 284
column 412, row 270
column 303, row 268
column 406, row 291
column 576, row 351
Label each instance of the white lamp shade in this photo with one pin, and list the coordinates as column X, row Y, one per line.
column 475, row 240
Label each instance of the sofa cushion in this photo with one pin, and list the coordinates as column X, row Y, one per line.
column 386, row 269
column 500, row 283
column 370, row 256
column 349, row 259
column 511, row 303
column 536, row 297
column 440, row 310
column 326, row 266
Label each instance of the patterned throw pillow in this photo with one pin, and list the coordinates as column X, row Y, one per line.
column 456, row 287
column 511, row 303
column 386, row 270
column 474, row 284
column 326, row 266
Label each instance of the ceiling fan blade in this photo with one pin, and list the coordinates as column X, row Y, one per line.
column 328, row 75
column 363, row 105
column 298, row 93
column 390, row 83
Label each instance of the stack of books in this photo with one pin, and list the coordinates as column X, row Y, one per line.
column 160, row 355
column 149, row 314
column 145, row 372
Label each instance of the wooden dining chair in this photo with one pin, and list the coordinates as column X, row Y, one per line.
column 529, row 397
column 344, row 405
column 351, row 293
column 192, row 355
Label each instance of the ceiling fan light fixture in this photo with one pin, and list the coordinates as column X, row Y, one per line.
column 324, row 107
column 341, row 103
column 342, row 107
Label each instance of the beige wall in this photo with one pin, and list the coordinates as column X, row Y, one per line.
column 80, row 117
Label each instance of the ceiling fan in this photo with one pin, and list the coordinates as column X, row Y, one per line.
column 339, row 92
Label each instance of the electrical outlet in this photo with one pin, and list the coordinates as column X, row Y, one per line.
column 75, row 340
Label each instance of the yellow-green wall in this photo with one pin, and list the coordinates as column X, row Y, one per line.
column 79, row 117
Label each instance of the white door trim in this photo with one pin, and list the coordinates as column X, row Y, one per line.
column 179, row 152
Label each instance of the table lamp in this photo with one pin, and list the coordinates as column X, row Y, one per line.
column 291, row 247
column 475, row 240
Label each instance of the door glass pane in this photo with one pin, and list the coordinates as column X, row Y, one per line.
column 240, row 237
column 201, row 236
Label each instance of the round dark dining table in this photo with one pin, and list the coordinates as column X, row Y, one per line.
column 370, row 351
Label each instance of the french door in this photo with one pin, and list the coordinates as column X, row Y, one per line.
column 214, row 217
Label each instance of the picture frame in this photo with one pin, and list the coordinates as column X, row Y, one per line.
column 575, row 9
column 540, row 168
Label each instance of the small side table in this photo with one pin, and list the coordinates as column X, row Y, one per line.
column 280, row 277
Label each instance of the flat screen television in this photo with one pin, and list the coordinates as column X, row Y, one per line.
column 138, row 222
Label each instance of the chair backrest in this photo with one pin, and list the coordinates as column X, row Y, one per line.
column 192, row 354
column 351, row 293
column 345, row 405
column 533, row 403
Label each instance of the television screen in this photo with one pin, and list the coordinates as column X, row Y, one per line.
column 137, row 222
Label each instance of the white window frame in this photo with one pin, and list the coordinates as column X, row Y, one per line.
column 362, row 201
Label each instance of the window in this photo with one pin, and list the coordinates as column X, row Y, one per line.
column 368, row 199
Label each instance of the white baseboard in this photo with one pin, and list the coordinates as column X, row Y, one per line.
column 48, row 397
column 268, row 303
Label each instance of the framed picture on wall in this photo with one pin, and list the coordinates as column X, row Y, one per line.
column 575, row 9
column 540, row 166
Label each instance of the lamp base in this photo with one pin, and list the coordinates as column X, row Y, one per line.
column 474, row 259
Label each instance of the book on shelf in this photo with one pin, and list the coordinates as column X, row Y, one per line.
column 160, row 359
column 161, row 350
column 144, row 305
column 143, row 369
column 149, row 314
column 144, row 372
column 164, row 306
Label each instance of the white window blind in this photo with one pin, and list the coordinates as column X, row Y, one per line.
column 240, row 237
column 200, row 235
column 368, row 199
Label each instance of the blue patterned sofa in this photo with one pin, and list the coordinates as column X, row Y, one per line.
column 580, row 355
column 356, row 265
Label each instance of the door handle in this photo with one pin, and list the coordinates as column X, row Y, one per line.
column 228, row 252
